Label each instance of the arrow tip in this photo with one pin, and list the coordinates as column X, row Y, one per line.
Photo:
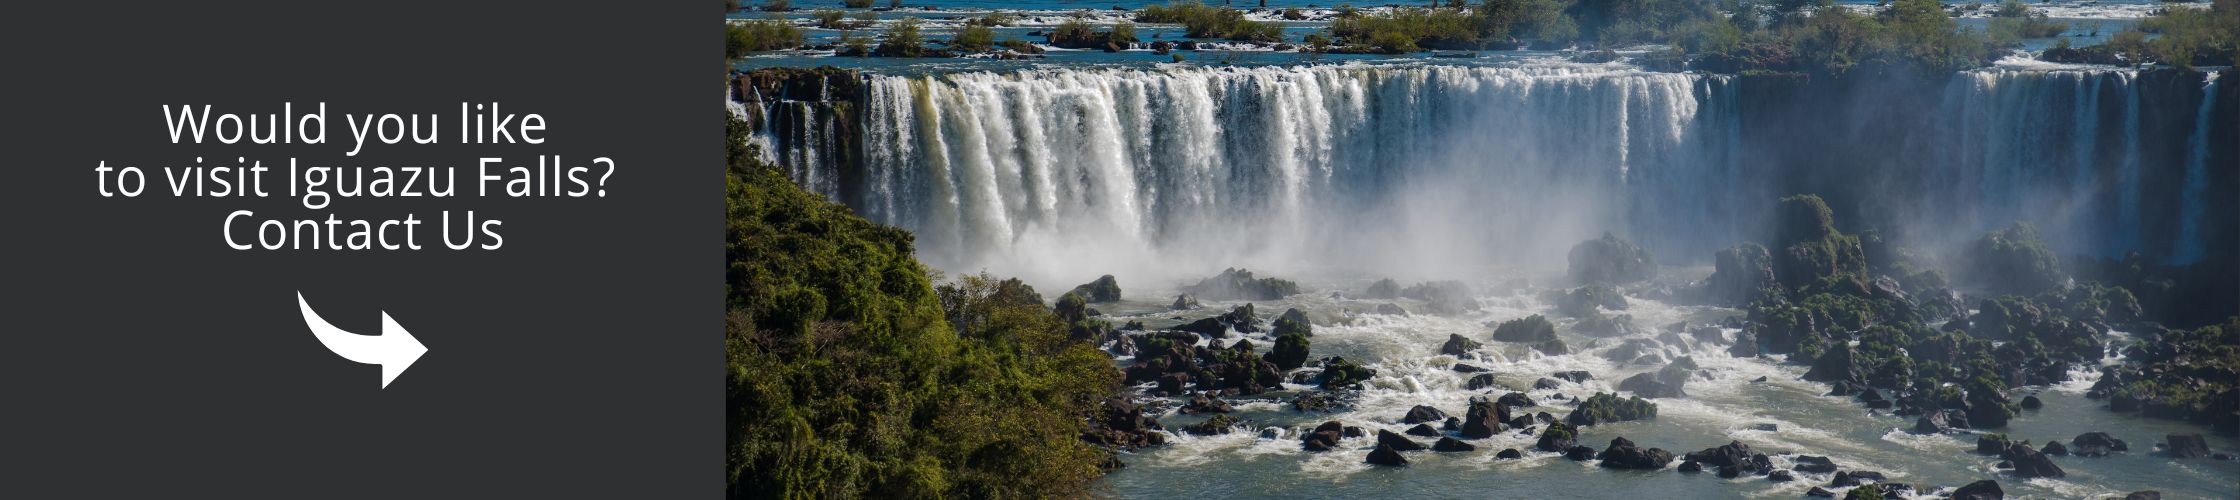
column 408, row 349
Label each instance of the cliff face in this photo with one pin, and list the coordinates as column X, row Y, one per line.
column 808, row 116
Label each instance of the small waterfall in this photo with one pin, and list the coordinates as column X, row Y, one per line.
column 2196, row 192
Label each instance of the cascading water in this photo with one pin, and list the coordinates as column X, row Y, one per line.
column 1415, row 170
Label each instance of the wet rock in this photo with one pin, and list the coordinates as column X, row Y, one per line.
column 1424, row 430
column 1184, row 302
column 1104, row 289
column 1398, row 442
column 1385, row 455
column 1843, row 478
column 1610, row 260
column 1575, row 376
column 1813, row 464
column 1866, row 475
column 1991, row 444
column 1558, row 438
column 2144, row 495
column 1666, row 383
column 1383, row 289
column 1272, row 433
column 1934, row 422
column 1340, row 373
column 1509, row 454
column 1521, row 422
column 1732, row 459
column 1545, row 417
column 1980, row 490
column 1324, row 437
column 1480, row 381
column 1483, row 419
column 1534, row 328
column 1738, row 273
column 1468, row 368
column 1604, row 325
column 2096, row 444
column 1622, row 454
column 2031, row 402
column 1516, row 400
column 1781, row 476
column 1448, row 444
column 1122, row 424
column 1291, row 350
column 1745, row 345
column 1172, row 382
column 1201, row 404
column 1219, row 424
column 2030, row 463
column 1354, row 432
column 1817, row 491
column 1240, row 284
column 1689, row 466
column 1421, row 414
column 1313, row 401
column 1546, row 383
column 1589, row 300
column 1451, row 423
column 1579, row 453
column 1391, row 310
column 1457, row 345
column 1445, row 298
column 2054, row 448
column 1766, row 427
column 2187, row 445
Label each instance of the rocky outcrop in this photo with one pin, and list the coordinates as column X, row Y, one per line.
column 1382, row 289
column 1339, row 373
column 1423, row 430
column 1609, row 260
column 1813, row 464
column 1104, row 289
column 1605, row 407
column 1738, row 273
column 1121, row 424
column 1622, row 454
column 1509, row 454
column 2187, row 445
column 1483, row 419
column 1391, row 310
column 1389, row 439
column 1421, row 414
column 1324, row 437
column 1239, row 284
column 1290, row 351
column 1980, row 490
column 1587, row 300
column 2030, row 463
column 1201, row 404
column 1668, row 382
column 2096, row 444
column 1480, row 381
column 1219, row 424
column 1385, row 455
column 1732, row 459
column 1535, row 330
column 1184, row 302
column 1448, row 444
column 1458, row 345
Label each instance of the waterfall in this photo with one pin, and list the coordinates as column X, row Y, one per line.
column 2196, row 191
column 1197, row 168
column 1421, row 169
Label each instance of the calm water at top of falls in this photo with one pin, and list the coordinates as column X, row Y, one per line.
column 1725, row 407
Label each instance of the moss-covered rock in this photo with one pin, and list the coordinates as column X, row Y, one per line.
column 1534, row 328
column 1239, row 284
column 1810, row 247
column 1291, row 349
column 1738, row 272
column 2012, row 260
column 1611, row 261
column 1587, row 300
column 1605, row 407
column 1104, row 289
column 1445, row 298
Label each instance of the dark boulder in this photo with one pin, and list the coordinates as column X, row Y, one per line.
column 1480, row 381
column 1483, row 419
column 1991, row 444
column 1933, row 422
column 1606, row 407
column 1322, row 438
column 1534, row 328
column 1385, row 455
column 1589, row 300
column 1340, row 373
column 1391, row 310
column 1448, row 444
column 1558, row 437
column 2031, row 463
column 1219, row 424
column 1509, row 454
column 1398, row 442
column 1469, row 368
column 1579, row 453
column 1622, row 454
column 1980, row 490
column 1733, row 454
column 1457, row 345
column 2187, row 445
column 1610, row 260
column 1546, row 383
column 1689, row 466
column 1184, row 302
column 1424, row 430
column 2096, row 444
column 1104, row 289
column 1781, row 476
column 1813, row 464
column 1516, row 400
column 2031, row 402
column 1239, row 284
column 1666, row 383
column 1451, row 423
column 1575, row 376
column 2054, row 448
column 1290, row 351
column 2144, row 495
column 1122, row 425
column 1201, row 404
column 1819, row 492
column 1421, row 414
column 1738, row 273
column 1383, row 289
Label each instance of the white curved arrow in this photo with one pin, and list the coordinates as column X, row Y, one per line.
column 394, row 349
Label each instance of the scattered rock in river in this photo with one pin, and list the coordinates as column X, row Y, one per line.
column 1622, row 454
column 1509, row 454
column 1202, row 404
column 1980, row 490
column 1421, row 414
column 1424, row 430
column 1324, row 437
column 1448, row 444
column 1184, row 302
column 2187, row 445
column 1813, row 464
column 1457, row 345
column 1398, row 442
column 1385, row 455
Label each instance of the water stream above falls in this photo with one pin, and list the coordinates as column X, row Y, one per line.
column 1724, row 405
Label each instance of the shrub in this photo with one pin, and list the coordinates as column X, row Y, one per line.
column 974, row 38
column 830, row 18
column 741, row 38
column 856, row 4
column 904, row 40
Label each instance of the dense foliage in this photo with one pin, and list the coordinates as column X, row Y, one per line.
column 774, row 33
column 850, row 374
column 2180, row 36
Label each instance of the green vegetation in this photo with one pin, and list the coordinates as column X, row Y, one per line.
column 2186, row 37
column 2015, row 21
column 1077, row 33
column 1199, row 20
column 773, row 33
column 994, row 19
column 849, row 373
column 1605, row 407
column 777, row 5
column 2012, row 260
column 856, row 4
column 830, row 19
column 974, row 38
column 904, row 40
